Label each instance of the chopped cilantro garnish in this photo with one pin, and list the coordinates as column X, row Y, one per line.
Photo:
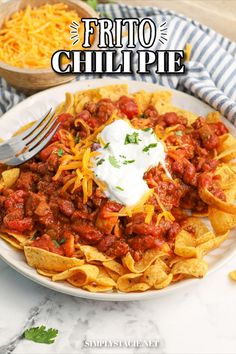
column 106, row 146
column 63, row 240
column 142, row 115
column 60, row 152
column 179, row 133
column 132, row 138
column 56, row 243
column 123, row 156
column 41, row 334
column 146, row 129
column 113, row 161
column 128, row 161
column 100, row 162
column 77, row 139
column 118, row 187
column 148, row 147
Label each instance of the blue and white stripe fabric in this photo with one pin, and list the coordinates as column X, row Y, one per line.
column 211, row 71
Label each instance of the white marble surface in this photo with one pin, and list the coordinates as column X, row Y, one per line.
column 197, row 319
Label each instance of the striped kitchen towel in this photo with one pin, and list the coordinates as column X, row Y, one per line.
column 211, row 71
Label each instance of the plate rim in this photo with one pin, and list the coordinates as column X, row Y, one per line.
column 78, row 292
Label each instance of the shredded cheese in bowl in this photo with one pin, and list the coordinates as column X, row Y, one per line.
column 30, row 36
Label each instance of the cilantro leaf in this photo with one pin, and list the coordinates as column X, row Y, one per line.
column 63, row 240
column 132, row 138
column 41, row 335
column 142, row 115
column 179, row 133
column 77, row 139
column 56, row 243
column 113, row 161
column 128, row 161
column 146, row 129
column 106, row 146
column 60, row 152
column 118, row 187
column 100, row 162
column 148, row 147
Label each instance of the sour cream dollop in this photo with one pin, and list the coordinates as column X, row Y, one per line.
column 127, row 153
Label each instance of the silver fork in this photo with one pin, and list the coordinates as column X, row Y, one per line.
column 26, row 145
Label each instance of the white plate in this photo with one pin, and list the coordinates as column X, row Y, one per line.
column 34, row 107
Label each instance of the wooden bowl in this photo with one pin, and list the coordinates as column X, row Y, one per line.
column 29, row 80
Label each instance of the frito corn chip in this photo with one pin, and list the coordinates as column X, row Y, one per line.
column 232, row 166
column 174, row 260
column 232, row 275
column 197, row 225
column 80, row 275
column 206, row 247
column 131, row 282
column 113, row 275
column 161, row 100
column 227, row 154
column 80, row 101
column 12, row 241
column 165, row 282
column 213, row 117
column 39, row 258
column 191, row 267
column 227, row 141
column 210, row 199
column 46, row 273
column 178, row 277
column 142, row 99
column 115, row 267
column 114, row 92
column 227, row 148
column 162, row 264
column 21, row 238
column 148, row 258
column 205, row 238
column 227, row 176
column 95, row 288
column 104, row 279
column 10, row 177
column 92, row 254
column 154, row 275
column 185, row 245
column 93, row 95
column 221, row 221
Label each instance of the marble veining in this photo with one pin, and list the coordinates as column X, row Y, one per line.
column 196, row 319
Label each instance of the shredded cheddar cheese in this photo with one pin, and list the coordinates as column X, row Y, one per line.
column 170, row 131
column 165, row 213
column 79, row 159
column 30, row 37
